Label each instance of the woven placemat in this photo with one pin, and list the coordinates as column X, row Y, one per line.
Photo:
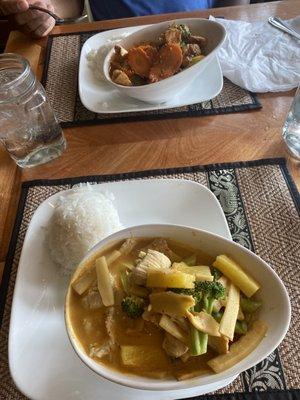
column 261, row 205
column 60, row 81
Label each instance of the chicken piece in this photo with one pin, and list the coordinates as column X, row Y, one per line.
column 200, row 40
column 120, row 78
column 87, row 325
column 168, row 62
column 100, row 351
column 190, row 51
column 162, row 246
column 152, row 317
column 174, row 347
column 152, row 259
column 92, row 300
column 120, row 51
column 182, row 322
column 110, row 325
column 173, row 35
column 139, row 61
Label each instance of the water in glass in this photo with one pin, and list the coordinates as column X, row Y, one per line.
column 291, row 128
column 29, row 129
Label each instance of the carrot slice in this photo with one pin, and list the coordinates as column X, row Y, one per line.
column 139, row 61
column 151, row 52
column 168, row 62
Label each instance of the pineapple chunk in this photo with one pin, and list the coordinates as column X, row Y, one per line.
column 141, row 355
column 204, row 322
column 104, row 282
column 230, row 315
column 241, row 348
column 171, row 303
column 201, row 272
column 171, row 279
column 236, row 274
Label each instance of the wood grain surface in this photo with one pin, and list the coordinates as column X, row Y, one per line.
column 132, row 146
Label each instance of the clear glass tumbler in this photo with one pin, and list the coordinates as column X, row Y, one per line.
column 29, row 129
column 291, row 128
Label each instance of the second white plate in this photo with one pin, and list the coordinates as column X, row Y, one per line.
column 101, row 97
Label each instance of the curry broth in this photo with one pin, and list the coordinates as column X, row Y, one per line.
column 90, row 329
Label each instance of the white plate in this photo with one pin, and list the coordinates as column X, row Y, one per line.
column 101, row 97
column 41, row 359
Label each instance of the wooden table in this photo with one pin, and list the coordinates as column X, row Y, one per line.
column 131, row 146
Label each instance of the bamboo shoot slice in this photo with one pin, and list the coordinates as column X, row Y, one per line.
column 237, row 275
column 113, row 256
column 128, row 246
column 165, row 278
column 204, row 322
column 241, row 348
column 105, row 286
column 171, row 303
column 84, row 281
column 229, row 318
column 219, row 344
column 169, row 326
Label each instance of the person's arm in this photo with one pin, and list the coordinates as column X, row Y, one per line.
column 68, row 8
column 28, row 21
column 37, row 23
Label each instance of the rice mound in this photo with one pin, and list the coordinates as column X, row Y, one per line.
column 81, row 218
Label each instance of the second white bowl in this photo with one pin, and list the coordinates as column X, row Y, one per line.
column 165, row 89
column 275, row 310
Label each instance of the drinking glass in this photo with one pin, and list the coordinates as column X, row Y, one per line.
column 291, row 128
column 29, row 129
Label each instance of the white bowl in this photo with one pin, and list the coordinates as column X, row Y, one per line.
column 275, row 311
column 165, row 89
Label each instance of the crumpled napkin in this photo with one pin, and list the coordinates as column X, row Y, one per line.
column 259, row 57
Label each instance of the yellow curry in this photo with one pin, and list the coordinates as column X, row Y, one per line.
column 156, row 308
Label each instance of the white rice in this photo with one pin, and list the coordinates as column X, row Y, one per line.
column 81, row 218
column 96, row 57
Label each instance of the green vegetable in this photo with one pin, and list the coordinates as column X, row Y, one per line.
column 133, row 306
column 218, row 315
column 210, row 291
column 195, row 347
column 124, row 281
column 216, row 273
column 191, row 260
column 241, row 327
column 185, row 32
column 204, row 293
column 207, row 292
column 248, row 305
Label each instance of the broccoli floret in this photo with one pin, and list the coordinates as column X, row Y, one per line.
column 204, row 294
column 210, row 291
column 133, row 306
column 249, row 305
column 216, row 273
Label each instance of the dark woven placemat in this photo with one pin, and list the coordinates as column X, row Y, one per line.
column 60, row 81
column 261, row 204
